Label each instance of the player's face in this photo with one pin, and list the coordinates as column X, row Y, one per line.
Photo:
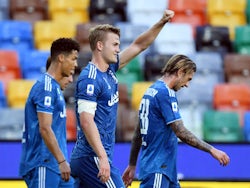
column 111, row 48
column 183, row 81
column 69, row 63
column 65, row 81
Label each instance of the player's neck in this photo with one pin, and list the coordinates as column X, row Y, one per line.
column 168, row 80
column 54, row 72
column 100, row 63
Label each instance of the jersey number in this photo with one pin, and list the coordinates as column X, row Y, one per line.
column 144, row 110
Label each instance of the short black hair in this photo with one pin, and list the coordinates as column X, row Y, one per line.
column 48, row 63
column 63, row 45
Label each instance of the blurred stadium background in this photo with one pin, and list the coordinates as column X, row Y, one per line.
column 216, row 107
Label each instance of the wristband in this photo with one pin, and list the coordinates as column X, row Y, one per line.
column 62, row 161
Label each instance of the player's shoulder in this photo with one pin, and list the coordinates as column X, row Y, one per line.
column 46, row 83
column 90, row 74
column 90, row 71
column 163, row 89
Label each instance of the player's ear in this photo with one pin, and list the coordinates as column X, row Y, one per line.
column 99, row 45
column 60, row 57
column 180, row 72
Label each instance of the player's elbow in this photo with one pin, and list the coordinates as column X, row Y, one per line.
column 44, row 130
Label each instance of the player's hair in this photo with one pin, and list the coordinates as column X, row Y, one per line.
column 98, row 33
column 48, row 62
column 63, row 45
column 178, row 62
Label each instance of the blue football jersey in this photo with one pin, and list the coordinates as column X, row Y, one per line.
column 46, row 97
column 102, row 88
column 158, row 108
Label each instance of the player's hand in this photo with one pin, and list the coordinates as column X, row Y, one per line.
column 221, row 156
column 167, row 16
column 104, row 170
column 128, row 175
column 65, row 170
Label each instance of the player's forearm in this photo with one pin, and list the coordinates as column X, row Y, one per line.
column 48, row 136
column 93, row 137
column 146, row 39
column 189, row 138
column 135, row 146
column 51, row 142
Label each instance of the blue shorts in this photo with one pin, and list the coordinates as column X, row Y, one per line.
column 158, row 180
column 42, row 177
column 85, row 170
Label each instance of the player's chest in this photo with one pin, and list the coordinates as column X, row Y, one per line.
column 59, row 101
column 109, row 91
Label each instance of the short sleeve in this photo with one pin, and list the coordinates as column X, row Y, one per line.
column 44, row 99
column 168, row 106
column 87, row 89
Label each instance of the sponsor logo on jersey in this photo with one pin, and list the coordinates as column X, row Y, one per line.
column 113, row 99
column 63, row 113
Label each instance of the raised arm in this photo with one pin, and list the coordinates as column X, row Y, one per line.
column 129, row 172
column 190, row 139
column 143, row 41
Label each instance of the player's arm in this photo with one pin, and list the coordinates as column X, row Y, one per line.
column 135, row 146
column 144, row 40
column 189, row 138
column 86, row 109
column 129, row 173
column 45, row 122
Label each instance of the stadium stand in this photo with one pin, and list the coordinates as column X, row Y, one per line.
column 11, row 123
column 189, row 11
column 213, row 38
column 138, row 89
column 153, row 65
column 246, row 127
column 152, row 10
column 18, row 91
column 108, row 11
column 222, row 126
column 16, row 34
column 82, row 35
column 4, row 10
column 171, row 39
column 9, row 67
column 27, row 10
column 34, row 64
column 3, row 103
column 237, row 68
column 75, row 11
column 248, row 11
column 232, row 97
column 71, row 124
column 47, row 31
column 242, row 39
column 229, row 13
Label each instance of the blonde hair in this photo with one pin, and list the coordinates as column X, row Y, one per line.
column 98, row 33
column 178, row 62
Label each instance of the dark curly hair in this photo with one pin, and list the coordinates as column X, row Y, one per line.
column 63, row 45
